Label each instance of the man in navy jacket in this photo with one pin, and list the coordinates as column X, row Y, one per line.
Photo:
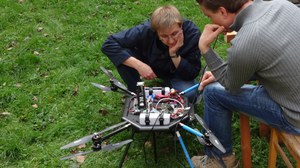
column 165, row 47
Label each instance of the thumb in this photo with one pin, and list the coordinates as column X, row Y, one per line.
column 200, row 87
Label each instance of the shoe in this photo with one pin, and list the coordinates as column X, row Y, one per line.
column 207, row 162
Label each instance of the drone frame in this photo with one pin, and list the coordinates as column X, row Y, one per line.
column 207, row 139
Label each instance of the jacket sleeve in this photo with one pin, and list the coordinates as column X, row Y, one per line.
column 116, row 47
column 190, row 64
column 241, row 65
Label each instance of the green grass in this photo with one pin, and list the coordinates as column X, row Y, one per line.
column 50, row 53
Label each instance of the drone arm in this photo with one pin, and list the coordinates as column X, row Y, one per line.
column 127, row 91
column 114, row 86
column 116, row 131
column 189, row 129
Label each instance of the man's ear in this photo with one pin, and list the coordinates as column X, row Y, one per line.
column 223, row 11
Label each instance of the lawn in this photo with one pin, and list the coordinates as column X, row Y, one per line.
column 50, row 54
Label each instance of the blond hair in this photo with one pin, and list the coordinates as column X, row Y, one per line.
column 165, row 16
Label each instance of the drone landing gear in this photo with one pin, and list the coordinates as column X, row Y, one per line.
column 126, row 150
column 128, row 146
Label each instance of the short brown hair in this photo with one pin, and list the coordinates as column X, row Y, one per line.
column 231, row 6
column 165, row 16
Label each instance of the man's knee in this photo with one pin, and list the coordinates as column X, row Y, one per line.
column 212, row 87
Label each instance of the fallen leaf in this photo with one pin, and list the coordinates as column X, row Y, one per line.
column 36, row 53
column 103, row 112
column 35, row 106
column 4, row 114
column 148, row 144
column 105, row 142
column 75, row 91
column 81, row 146
column 73, row 151
column 35, row 98
column 80, row 159
column 18, row 85
column 39, row 29
column 26, row 38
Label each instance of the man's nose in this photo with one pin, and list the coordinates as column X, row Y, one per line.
column 171, row 39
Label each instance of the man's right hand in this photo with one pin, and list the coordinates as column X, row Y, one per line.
column 209, row 34
column 143, row 69
column 146, row 72
column 207, row 78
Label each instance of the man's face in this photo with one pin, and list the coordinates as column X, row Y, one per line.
column 220, row 17
column 170, row 35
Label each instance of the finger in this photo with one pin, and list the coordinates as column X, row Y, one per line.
column 212, row 26
column 219, row 30
column 205, row 76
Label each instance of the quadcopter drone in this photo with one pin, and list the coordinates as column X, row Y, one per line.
column 149, row 109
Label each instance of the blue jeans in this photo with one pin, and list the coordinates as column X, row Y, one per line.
column 252, row 101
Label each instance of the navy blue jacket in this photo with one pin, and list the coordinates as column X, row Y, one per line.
column 143, row 43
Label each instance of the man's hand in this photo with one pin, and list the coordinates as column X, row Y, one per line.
column 146, row 72
column 179, row 43
column 208, row 78
column 209, row 34
column 143, row 69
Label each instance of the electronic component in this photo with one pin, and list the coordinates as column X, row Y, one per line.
column 141, row 97
column 154, row 118
column 157, row 91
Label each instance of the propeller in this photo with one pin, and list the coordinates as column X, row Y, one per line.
column 77, row 154
column 104, row 88
column 87, row 138
column 109, row 147
column 107, row 72
column 115, row 81
column 110, row 75
column 212, row 138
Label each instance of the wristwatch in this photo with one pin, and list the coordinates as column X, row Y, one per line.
column 174, row 56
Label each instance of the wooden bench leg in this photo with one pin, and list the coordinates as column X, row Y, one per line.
column 272, row 149
column 264, row 130
column 245, row 141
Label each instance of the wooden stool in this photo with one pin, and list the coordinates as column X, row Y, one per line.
column 292, row 144
column 245, row 141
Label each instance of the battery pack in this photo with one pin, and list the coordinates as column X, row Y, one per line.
column 156, row 90
column 154, row 118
